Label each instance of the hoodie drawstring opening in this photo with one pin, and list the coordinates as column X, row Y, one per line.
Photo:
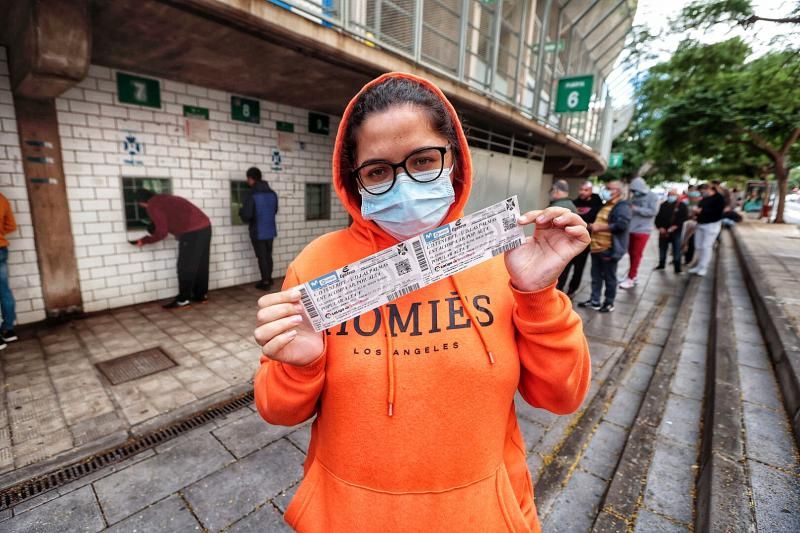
column 474, row 321
column 389, row 345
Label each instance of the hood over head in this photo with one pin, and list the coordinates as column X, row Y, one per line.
column 344, row 183
column 639, row 185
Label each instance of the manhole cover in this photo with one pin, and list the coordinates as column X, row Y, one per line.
column 135, row 365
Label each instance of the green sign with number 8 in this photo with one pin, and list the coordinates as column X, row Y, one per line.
column 574, row 94
column 245, row 110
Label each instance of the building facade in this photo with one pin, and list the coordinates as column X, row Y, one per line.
column 184, row 96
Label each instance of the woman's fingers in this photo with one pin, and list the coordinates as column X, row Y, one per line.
column 278, row 343
column 568, row 219
column 274, row 298
column 266, row 333
column 528, row 217
column 271, row 313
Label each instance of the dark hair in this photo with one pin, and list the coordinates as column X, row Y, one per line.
column 704, row 186
column 387, row 94
column 254, row 173
column 144, row 195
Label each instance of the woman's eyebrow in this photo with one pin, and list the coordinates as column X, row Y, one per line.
column 427, row 146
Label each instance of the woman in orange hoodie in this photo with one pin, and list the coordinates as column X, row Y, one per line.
column 415, row 426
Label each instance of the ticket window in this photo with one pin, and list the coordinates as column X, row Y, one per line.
column 135, row 215
column 239, row 191
column 318, row 201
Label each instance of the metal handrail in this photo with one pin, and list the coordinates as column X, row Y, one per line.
column 401, row 32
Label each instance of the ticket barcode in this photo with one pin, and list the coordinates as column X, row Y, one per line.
column 506, row 247
column 308, row 304
column 402, row 292
column 423, row 263
column 509, row 223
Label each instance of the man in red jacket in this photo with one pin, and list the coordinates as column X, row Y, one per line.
column 192, row 228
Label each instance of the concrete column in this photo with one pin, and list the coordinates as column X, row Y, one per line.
column 49, row 52
column 47, row 193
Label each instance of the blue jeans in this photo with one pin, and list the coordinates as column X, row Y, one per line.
column 6, row 298
column 604, row 271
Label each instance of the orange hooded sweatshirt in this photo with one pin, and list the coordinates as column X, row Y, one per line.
column 446, row 453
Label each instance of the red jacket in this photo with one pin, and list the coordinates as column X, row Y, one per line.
column 173, row 214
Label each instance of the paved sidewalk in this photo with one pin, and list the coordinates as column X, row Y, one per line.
column 776, row 250
column 55, row 402
column 239, row 473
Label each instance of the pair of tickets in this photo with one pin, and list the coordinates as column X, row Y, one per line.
column 412, row 264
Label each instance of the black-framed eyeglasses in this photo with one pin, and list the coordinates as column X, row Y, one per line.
column 422, row 165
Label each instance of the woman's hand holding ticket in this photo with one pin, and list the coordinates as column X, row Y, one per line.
column 559, row 236
column 283, row 331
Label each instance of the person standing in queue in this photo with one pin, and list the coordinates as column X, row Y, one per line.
column 644, row 207
column 180, row 217
column 7, row 302
column 258, row 210
column 415, row 426
column 709, row 223
column 669, row 222
column 587, row 204
column 559, row 196
column 610, row 232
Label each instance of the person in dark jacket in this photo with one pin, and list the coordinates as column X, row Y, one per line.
column 669, row 221
column 258, row 210
column 610, row 234
column 192, row 228
column 709, row 216
column 587, row 205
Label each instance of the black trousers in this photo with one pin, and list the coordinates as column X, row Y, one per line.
column 263, row 251
column 193, row 255
column 689, row 255
column 604, row 272
column 664, row 243
column 577, row 263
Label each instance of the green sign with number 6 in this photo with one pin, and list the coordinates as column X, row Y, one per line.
column 574, row 94
column 245, row 110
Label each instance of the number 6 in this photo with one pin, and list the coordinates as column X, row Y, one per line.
column 572, row 99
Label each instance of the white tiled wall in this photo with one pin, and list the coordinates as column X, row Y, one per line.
column 92, row 127
column 22, row 264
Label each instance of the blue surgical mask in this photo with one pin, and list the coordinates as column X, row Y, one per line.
column 672, row 199
column 605, row 195
column 410, row 207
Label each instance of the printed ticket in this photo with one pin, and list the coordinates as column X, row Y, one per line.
column 412, row 264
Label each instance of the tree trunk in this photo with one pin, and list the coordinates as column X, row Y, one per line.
column 782, row 177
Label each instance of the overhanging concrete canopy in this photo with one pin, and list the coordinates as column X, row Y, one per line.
column 252, row 47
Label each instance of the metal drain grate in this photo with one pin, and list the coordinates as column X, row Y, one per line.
column 135, row 365
column 25, row 490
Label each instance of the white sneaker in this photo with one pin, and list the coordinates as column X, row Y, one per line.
column 628, row 284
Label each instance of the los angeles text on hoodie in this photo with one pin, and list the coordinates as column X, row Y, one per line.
column 447, row 454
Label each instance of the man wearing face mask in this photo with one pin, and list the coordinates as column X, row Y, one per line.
column 609, row 243
column 588, row 204
column 669, row 221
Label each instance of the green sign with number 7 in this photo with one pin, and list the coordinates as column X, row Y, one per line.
column 574, row 94
column 245, row 110
column 138, row 90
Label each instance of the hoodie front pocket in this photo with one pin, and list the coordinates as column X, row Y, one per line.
column 303, row 496
column 507, row 499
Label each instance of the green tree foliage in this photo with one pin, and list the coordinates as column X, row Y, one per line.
column 708, row 102
column 712, row 111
